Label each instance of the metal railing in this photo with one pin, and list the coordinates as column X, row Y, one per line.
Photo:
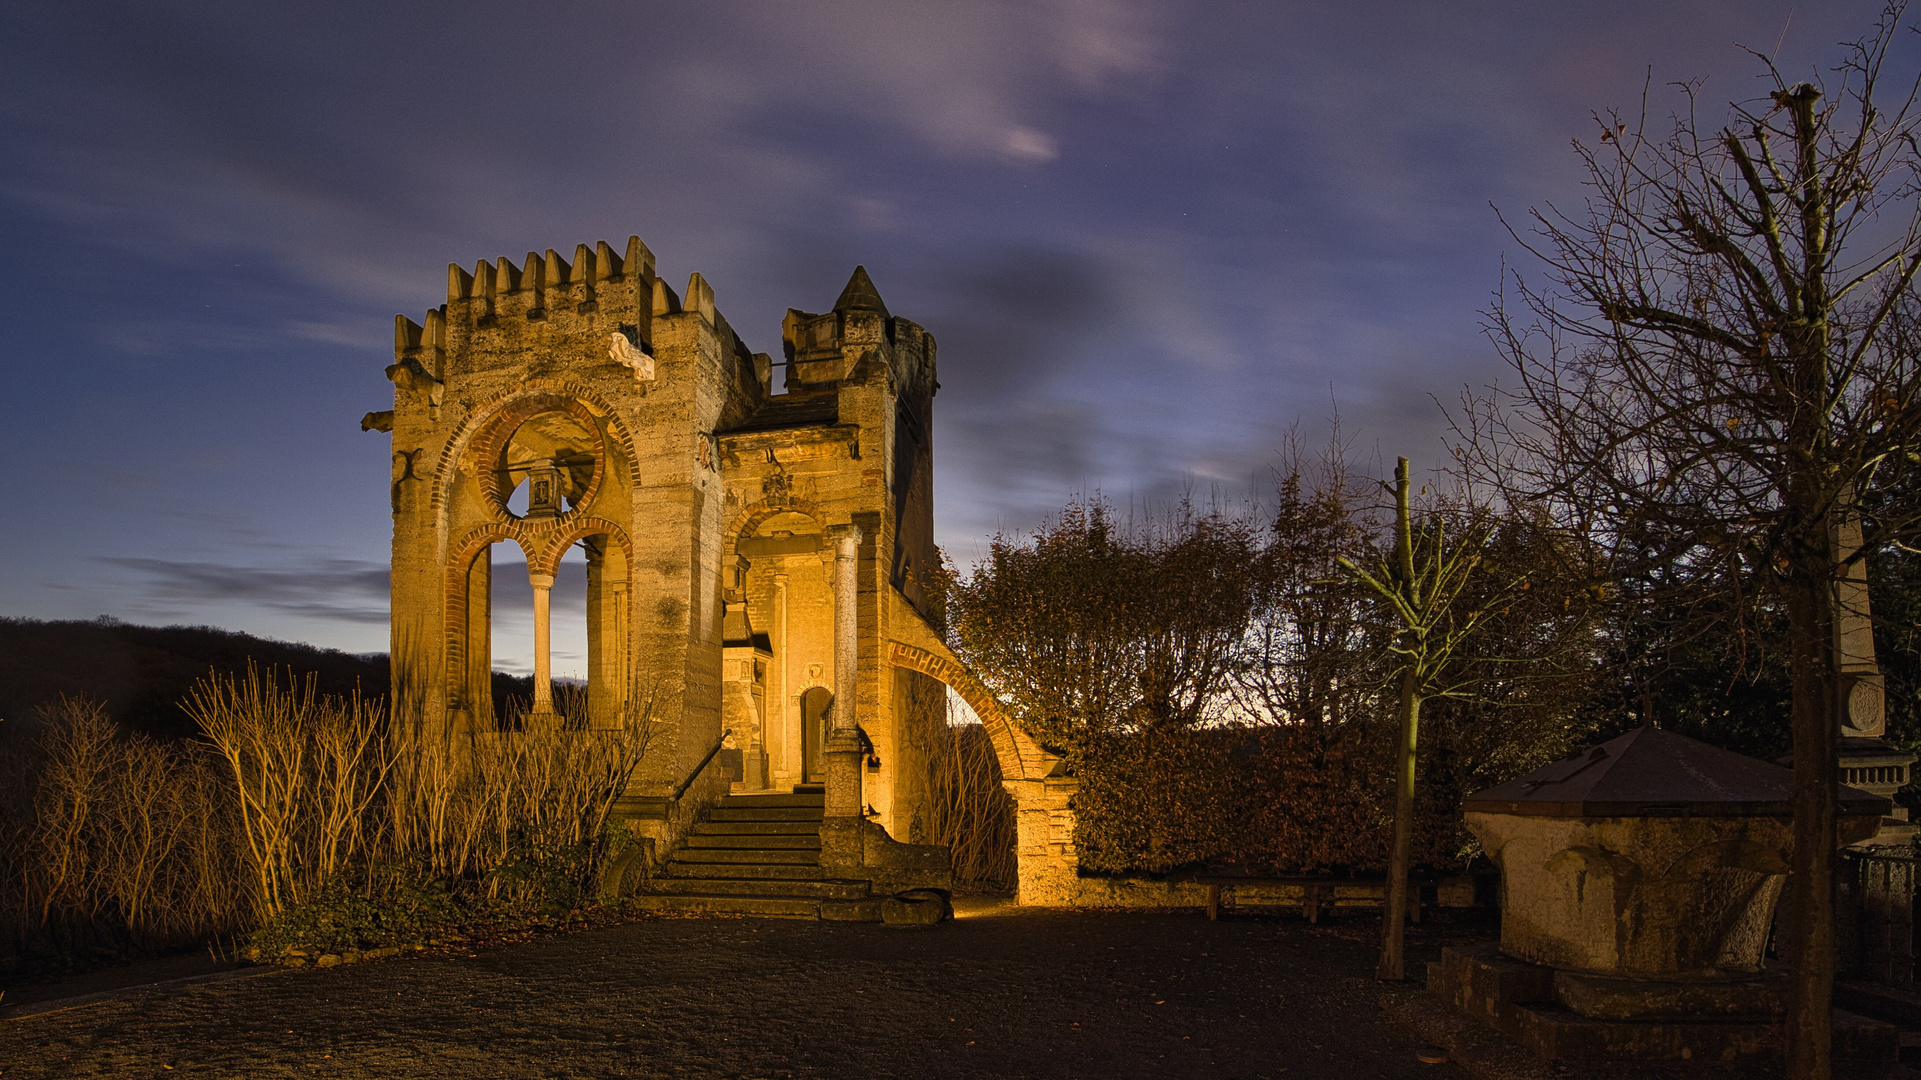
column 712, row 752
column 1876, row 916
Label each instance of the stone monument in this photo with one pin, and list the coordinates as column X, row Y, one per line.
column 757, row 532
column 1639, row 880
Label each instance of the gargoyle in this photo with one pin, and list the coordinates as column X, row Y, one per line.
column 408, row 374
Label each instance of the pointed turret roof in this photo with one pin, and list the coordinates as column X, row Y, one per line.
column 860, row 294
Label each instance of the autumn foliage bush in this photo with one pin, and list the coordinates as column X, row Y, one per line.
column 1222, row 690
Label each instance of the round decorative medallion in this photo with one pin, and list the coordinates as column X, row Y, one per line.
column 1866, row 704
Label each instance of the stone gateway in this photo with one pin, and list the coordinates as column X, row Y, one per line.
column 758, row 537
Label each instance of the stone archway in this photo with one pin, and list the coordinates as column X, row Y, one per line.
column 1020, row 757
column 1045, row 859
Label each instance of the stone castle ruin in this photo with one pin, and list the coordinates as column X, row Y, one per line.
column 758, row 537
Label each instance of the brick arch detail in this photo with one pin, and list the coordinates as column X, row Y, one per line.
column 454, row 594
column 493, row 411
column 753, row 515
column 559, row 534
column 1021, row 758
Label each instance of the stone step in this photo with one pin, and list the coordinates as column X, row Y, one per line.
column 765, row 813
column 762, row 871
column 824, row 889
column 749, row 856
column 757, row 828
column 764, row 801
column 758, row 842
column 772, row 907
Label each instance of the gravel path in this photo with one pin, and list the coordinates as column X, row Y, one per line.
column 1051, row 994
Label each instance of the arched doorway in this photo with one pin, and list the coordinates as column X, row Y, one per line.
column 814, row 705
column 786, row 604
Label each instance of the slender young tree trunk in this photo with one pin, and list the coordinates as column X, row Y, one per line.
column 1394, row 913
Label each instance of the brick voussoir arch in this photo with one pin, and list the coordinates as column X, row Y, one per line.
column 752, row 516
column 558, row 534
column 1021, row 758
column 523, row 401
column 454, row 592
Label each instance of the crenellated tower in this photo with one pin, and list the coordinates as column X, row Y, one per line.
column 754, row 554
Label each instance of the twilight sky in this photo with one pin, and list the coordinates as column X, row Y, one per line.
column 1149, row 236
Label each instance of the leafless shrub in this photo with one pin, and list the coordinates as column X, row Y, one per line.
column 969, row 811
column 305, row 769
column 128, row 844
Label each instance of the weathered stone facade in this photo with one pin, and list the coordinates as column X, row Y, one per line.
column 757, row 554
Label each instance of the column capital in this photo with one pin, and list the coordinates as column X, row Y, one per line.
column 844, row 538
column 540, row 581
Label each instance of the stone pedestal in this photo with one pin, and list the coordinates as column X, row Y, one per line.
column 1731, row 1020
column 1047, row 864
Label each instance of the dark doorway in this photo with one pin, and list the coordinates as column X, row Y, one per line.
column 813, row 726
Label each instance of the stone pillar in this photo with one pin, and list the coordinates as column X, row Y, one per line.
column 1865, row 757
column 476, row 704
column 783, row 720
column 842, row 743
column 1863, row 705
column 597, row 697
column 1044, row 855
column 543, row 633
column 618, row 652
column 607, row 660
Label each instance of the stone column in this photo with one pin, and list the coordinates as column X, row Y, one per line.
column 842, row 843
column 607, row 620
column 1863, row 706
column 1866, row 759
column 543, row 632
column 784, row 723
column 477, row 698
column 619, row 653
column 842, row 749
column 846, row 541
column 598, row 696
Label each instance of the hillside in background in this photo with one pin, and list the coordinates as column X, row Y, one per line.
column 142, row 673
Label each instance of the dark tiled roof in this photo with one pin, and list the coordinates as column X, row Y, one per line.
column 791, row 411
column 1653, row 773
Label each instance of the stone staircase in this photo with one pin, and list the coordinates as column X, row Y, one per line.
column 757, row 855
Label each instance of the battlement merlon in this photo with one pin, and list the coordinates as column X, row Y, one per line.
column 599, row 285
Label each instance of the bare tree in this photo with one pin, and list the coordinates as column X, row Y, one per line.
column 1723, row 358
column 1426, row 586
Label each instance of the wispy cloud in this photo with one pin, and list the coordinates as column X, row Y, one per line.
column 1148, row 237
column 344, row 590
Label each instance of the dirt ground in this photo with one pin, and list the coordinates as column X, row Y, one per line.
column 1000, row 994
